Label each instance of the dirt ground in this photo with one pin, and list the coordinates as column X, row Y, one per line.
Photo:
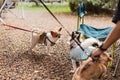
column 17, row 64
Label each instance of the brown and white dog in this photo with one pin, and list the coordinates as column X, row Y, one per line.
column 48, row 39
column 92, row 70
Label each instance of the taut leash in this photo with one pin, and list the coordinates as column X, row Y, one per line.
column 54, row 16
column 15, row 27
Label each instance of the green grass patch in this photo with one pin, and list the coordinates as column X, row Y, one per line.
column 57, row 7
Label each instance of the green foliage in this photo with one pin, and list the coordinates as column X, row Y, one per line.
column 105, row 4
column 75, row 1
column 53, row 7
column 95, row 2
column 73, row 4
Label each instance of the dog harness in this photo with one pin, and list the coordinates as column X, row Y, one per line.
column 46, row 38
column 52, row 43
column 78, row 54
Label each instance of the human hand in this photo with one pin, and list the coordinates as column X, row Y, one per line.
column 96, row 53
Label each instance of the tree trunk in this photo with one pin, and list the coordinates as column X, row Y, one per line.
column 72, row 6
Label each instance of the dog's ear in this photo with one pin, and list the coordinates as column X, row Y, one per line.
column 110, row 59
column 78, row 32
column 59, row 29
column 108, row 56
column 55, row 34
column 73, row 35
column 52, row 32
column 78, row 37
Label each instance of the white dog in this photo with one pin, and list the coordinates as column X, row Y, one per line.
column 79, row 51
column 46, row 38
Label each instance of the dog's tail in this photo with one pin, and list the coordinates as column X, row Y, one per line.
column 59, row 29
column 36, row 30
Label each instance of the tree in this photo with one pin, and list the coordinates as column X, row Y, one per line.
column 73, row 4
column 95, row 6
column 35, row 1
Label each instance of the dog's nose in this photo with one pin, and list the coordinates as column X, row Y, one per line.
column 59, row 35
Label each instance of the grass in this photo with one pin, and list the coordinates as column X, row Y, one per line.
column 57, row 7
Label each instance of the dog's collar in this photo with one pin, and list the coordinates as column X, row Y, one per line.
column 46, row 38
column 52, row 43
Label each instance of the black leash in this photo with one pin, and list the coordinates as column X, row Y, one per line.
column 46, row 38
column 79, row 45
column 54, row 16
column 76, row 39
column 52, row 43
column 59, row 22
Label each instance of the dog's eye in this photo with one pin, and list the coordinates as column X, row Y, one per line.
column 58, row 35
column 104, row 54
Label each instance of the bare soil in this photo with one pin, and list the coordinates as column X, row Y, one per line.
column 17, row 64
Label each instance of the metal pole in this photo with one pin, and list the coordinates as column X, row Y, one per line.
column 22, row 9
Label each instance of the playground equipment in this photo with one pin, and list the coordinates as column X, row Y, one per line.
column 7, row 5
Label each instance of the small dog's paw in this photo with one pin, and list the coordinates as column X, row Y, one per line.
column 105, row 76
column 72, row 71
column 49, row 54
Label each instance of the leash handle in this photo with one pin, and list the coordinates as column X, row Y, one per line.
column 16, row 27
